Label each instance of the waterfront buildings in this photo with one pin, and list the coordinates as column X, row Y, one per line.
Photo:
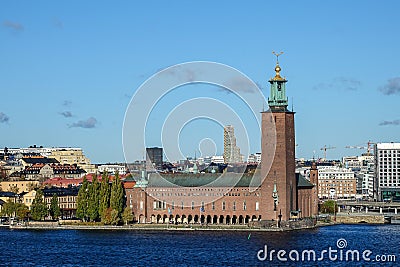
column 387, row 171
column 273, row 193
column 364, row 171
column 336, row 183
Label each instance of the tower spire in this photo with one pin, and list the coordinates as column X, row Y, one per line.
column 278, row 99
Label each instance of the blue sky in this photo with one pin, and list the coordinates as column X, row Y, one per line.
column 69, row 68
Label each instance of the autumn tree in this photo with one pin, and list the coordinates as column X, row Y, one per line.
column 127, row 215
column 329, row 206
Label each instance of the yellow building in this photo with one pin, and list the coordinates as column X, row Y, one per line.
column 28, row 198
column 73, row 156
column 22, row 186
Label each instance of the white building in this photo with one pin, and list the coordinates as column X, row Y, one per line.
column 112, row 169
column 254, row 158
column 387, row 171
column 217, row 159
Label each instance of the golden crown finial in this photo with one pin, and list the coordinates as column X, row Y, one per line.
column 277, row 68
column 277, row 56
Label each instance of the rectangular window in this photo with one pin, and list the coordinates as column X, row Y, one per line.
column 182, row 205
column 257, row 206
column 155, row 205
column 192, row 205
column 244, row 205
column 213, row 205
column 202, row 205
column 141, row 205
column 234, row 205
column 223, row 205
column 173, row 205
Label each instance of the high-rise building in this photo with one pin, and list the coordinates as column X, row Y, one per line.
column 231, row 150
column 387, row 171
column 154, row 158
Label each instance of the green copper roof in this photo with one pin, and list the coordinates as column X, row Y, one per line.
column 206, row 180
column 302, row 182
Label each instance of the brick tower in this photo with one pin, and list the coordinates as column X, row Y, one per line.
column 278, row 154
column 314, row 192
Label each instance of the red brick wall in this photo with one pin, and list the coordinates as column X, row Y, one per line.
column 282, row 169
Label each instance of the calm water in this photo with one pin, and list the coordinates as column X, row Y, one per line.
column 187, row 248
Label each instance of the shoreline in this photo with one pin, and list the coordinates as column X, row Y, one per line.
column 160, row 227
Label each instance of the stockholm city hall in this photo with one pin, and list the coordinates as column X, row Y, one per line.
column 274, row 193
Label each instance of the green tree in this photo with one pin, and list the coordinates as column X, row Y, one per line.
column 8, row 208
column 82, row 201
column 127, row 215
column 38, row 208
column 54, row 209
column 329, row 206
column 93, row 199
column 104, row 194
column 117, row 195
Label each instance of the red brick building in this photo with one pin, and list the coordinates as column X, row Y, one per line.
column 274, row 192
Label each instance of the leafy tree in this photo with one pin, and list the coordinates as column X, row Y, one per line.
column 117, row 195
column 106, row 216
column 54, row 209
column 115, row 218
column 82, row 201
column 329, row 206
column 14, row 209
column 38, row 208
column 21, row 210
column 8, row 208
column 104, row 194
column 93, row 199
column 127, row 215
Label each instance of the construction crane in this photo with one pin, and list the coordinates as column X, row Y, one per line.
column 325, row 148
column 368, row 147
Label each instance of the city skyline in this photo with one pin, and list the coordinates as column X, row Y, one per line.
column 70, row 70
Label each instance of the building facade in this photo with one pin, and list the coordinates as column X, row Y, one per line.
column 231, row 150
column 387, row 171
column 336, row 183
column 112, row 169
